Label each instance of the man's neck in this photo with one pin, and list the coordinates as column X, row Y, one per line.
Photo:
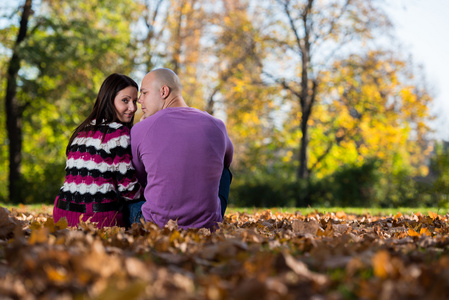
column 176, row 101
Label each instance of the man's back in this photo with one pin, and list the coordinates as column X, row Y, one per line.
column 179, row 154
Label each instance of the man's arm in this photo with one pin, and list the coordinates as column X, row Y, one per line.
column 136, row 158
column 229, row 152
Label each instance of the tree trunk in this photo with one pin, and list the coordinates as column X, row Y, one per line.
column 176, row 60
column 303, row 197
column 14, row 111
column 303, row 171
column 306, row 101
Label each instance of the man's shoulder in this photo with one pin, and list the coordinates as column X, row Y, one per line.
column 171, row 115
column 138, row 128
column 211, row 120
column 181, row 113
column 206, row 115
column 141, row 128
column 219, row 123
column 144, row 124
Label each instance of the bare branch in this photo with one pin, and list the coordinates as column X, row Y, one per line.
column 335, row 20
column 294, row 29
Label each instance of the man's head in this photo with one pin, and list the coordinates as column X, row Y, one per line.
column 160, row 88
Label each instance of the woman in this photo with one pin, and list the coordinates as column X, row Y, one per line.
column 99, row 172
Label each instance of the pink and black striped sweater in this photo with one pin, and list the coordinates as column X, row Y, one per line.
column 99, row 175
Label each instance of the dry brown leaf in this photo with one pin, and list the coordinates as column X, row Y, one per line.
column 382, row 264
column 172, row 225
column 270, row 254
column 425, row 231
column 249, row 289
column 138, row 269
column 412, row 232
column 341, row 215
column 433, row 215
column 118, row 291
column 7, row 223
column 340, row 229
column 301, row 269
column 303, row 228
column 39, row 235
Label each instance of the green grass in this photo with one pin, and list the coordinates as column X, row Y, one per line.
column 36, row 208
column 45, row 208
column 348, row 210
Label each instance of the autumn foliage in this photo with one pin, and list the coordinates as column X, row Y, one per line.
column 309, row 91
column 263, row 255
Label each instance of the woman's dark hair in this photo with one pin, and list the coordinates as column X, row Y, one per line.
column 104, row 111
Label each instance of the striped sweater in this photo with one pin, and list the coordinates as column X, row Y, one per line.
column 98, row 173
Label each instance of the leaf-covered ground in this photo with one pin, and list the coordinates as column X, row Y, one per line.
column 252, row 256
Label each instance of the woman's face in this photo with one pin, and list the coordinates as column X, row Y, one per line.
column 125, row 104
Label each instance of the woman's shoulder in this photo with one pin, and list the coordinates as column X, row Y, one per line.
column 115, row 125
column 117, row 128
column 118, row 137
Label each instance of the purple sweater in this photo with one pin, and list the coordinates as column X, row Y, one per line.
column 179, row 154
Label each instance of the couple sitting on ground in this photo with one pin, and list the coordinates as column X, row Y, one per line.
column 172, row 165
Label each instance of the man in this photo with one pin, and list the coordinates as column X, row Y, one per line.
column 180, row 155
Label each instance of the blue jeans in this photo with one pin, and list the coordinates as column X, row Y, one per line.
column 223, row 189
column 132, row 212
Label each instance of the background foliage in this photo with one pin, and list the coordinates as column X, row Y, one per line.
column 321, row 110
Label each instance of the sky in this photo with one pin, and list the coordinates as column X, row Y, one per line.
column 422, row 27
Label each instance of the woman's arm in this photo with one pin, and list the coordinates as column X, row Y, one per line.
column 125, row 174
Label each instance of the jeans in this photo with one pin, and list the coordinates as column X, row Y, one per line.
column 132, row 212
column 223, row 189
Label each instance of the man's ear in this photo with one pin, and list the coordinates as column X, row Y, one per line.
column 165, row 92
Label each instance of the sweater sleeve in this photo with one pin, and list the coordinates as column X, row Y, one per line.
column 127, row 185
column 229, row 147
column 137, row 162
column 229, row 152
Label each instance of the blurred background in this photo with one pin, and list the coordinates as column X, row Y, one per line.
column 328, row 103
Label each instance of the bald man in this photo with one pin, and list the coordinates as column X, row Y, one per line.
column 180, row 155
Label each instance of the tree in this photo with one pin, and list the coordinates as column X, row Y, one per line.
column 66, row 54
column 187, row 24
column 238, row 89
column 13, row 106
column 373, row 107
column 172, row 34
column 439, row 166
column 311, row 35
column 148, row 37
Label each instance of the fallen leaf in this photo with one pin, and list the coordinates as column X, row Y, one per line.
column 39, row 235
column 301, row 269
column 425, row 231
column 301, row 227
column 433, row 215
column 412, row 232
column 7, row 223
column 382, row 264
